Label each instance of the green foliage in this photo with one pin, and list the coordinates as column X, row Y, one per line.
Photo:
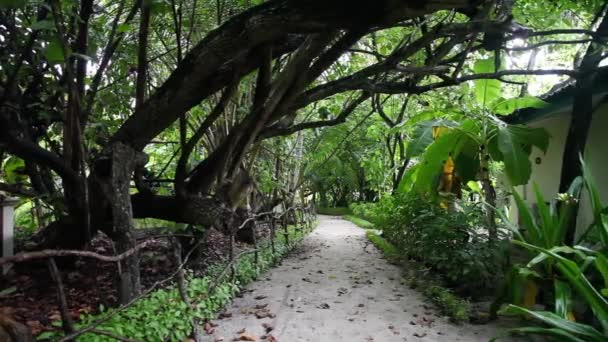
column 366, row 210
column 339, row 211
column 510, row 144
column 422, row 135
column 13, row 170
column 54, row 52
column 456, row 308
column 486, row 90
column 452, row 244
column 359, row 221
column 508, row 106
column 432, row 160
column 517, row 164
column 600, row 211
column 25, row 222
column 390, row 251
column 565, row 329
column 167, row 317
column 574, row 271
column 549, row 229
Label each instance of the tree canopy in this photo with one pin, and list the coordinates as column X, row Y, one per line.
column 184, row 110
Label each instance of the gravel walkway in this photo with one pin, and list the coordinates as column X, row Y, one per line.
column 334, row 287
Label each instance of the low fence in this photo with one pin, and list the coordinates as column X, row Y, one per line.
column 303, row 218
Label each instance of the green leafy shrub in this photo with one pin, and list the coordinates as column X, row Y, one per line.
column 374, row 212
column 453, row 244
column 456, row 308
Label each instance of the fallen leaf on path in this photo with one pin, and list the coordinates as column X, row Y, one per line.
column 261, row 306
column 241, row 331
column 268, row 327
column 260, row 297
column 263, row 313
column 223, row 315
column 323, row 306
column 420, row 335
column 246, row 337
column 209, row 329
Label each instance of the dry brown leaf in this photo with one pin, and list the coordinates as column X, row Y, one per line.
column 247, row 337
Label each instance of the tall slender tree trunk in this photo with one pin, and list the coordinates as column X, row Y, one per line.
column 489, row 195
column 581, row 117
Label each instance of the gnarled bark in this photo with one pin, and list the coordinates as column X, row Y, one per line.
column 113, row 213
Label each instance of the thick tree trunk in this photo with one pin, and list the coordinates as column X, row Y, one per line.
column 199, row 210
column 113, row 213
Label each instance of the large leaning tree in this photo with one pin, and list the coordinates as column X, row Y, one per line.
column 86, row 87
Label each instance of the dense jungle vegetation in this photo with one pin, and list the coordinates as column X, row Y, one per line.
column 207, row 123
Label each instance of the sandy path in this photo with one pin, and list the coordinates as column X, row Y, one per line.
column 336, row 287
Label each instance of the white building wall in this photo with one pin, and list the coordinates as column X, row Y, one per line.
column 547, row 173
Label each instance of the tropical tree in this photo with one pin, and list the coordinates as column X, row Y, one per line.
column 183, row 99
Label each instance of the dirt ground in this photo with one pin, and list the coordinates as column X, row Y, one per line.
column 337, row 287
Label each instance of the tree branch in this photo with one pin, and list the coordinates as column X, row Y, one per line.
column 51, row 253
column 275, row 131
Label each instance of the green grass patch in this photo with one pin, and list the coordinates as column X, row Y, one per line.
column 458, row 309
column 338, row 211
column 167, row 317
column 390, row 252
column 365, row 224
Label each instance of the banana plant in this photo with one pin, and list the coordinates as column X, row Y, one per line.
column 480, row 135
column 475, row 139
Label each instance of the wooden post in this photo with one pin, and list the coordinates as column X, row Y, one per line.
column 307, row 218
column 231, row 256
column 272, row 234
column 299, row 220
column 256, row 254
column 7, row 228
column 285, row 230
